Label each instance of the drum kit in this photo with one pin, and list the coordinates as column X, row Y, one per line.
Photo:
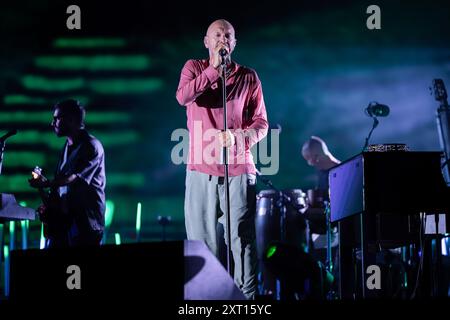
column 288, row 216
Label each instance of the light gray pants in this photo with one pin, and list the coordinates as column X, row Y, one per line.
column 204, row 207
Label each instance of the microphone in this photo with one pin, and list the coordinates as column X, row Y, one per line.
column 7, row 135
column 223, row 52
column 375, row 109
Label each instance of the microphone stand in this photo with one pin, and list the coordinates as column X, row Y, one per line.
column 2, row 145
column 375, row 124
column 443, row 125
column 2, row 148
column 329, row 261
column 225, row 163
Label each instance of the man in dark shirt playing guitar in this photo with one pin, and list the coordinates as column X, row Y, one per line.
column 74, row 209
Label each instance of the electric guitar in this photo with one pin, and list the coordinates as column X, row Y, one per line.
column 50, row 217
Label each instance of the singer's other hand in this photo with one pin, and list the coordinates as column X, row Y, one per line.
column 226, row 138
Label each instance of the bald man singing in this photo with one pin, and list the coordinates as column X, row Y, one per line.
column 200, row 91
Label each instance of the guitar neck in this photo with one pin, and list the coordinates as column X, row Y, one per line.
column 44, row 195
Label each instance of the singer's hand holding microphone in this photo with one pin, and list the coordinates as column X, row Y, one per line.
column 219, row 54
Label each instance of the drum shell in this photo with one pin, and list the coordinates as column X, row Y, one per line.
column 268, row 219
column 268, row 229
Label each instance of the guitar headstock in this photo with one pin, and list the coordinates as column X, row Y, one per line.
column 439, row 91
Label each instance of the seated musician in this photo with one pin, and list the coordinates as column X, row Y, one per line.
column 316, row 153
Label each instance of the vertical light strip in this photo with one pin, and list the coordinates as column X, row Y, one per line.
column 42, row 241
column 117, row 238
column 444, row 246
column 6, row 253
column 12, row 231
column 1, row 248
column 109, row 215
column 24, row 227
column 138, row 222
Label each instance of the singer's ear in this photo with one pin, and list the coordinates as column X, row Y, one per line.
column 233, row 45
column 205, row 42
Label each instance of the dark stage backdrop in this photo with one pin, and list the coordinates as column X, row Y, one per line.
column 319, row 65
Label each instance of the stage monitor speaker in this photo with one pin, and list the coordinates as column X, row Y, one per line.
column 139, row 271
column 206, row 278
